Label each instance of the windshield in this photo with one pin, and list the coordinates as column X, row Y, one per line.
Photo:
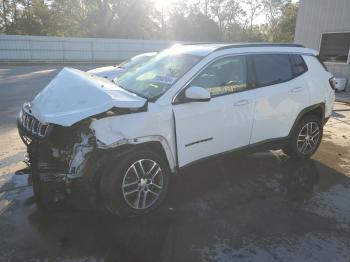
column 135, row 61
column 156, row 76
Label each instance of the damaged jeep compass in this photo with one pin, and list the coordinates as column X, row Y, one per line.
column 114, row 146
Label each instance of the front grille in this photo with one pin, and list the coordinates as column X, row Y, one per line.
column 34, row 126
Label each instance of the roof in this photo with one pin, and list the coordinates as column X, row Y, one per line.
column 146, row 54
column 203, row 49
column 193, row 49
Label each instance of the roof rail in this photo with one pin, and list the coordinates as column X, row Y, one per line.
column 239, row 45
column 201, row 43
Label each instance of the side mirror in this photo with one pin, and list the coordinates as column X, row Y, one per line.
column 197, row 94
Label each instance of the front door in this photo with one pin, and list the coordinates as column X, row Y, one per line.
column 222, row 124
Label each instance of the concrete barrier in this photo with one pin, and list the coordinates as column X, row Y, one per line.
column 32, row 49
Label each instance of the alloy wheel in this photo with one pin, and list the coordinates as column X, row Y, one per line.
column 308, row 138
column 142, row 184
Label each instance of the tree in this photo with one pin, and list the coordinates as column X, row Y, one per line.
column 41, row 16
column 69, row 18
column 4, row 12
column 193, row 27
column 285, row 24
column 228, row 14
column 272, row 9
column 254, row 8
column 218, row 12
column 28, row 19
column 198, row 20
column 203, row 29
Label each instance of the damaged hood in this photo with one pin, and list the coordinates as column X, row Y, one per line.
column 109, row 72
column 74, row 95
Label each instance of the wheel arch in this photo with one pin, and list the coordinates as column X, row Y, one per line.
column 316, row 109
column 157, row 144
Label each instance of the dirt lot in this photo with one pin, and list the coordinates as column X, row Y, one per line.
column 262, row 207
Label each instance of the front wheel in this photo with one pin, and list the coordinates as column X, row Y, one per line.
column 306, row 138
column 136, row 184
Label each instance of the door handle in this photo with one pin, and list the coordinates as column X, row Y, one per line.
column 297, row 89
column 241, row 102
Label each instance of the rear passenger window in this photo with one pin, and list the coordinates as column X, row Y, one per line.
column 272, row 69
column 298, row 65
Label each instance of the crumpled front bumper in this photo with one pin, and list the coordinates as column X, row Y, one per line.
column 52, row 185
column 54, row 189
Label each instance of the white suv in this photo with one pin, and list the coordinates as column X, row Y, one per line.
column 115, row 145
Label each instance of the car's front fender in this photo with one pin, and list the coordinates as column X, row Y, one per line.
column 137, row 129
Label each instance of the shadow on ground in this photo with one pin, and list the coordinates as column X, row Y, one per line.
column 262, row 207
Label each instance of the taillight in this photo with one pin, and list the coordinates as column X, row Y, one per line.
column 332, row 82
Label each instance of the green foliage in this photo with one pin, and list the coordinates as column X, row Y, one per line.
column 193, row 27
column 284, row 29
column 204, row 20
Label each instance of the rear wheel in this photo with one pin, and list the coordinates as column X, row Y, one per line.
column 136, row 184
column 306, row 138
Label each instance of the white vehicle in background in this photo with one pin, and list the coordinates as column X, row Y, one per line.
column 112, row 72
column 115, row 145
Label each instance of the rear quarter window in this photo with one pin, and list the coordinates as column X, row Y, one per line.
column 272, row 69
column 299, row 66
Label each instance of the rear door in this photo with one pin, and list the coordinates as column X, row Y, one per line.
column 281, row 93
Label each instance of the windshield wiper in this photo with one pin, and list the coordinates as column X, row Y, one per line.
column 119, row 85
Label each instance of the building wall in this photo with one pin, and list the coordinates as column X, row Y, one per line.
column 320, row 16
column 17, row 48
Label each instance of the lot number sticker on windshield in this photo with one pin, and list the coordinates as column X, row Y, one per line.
column 165, row 79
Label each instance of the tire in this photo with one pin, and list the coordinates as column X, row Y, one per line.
column 305, row 140
column 127, row 190
column 46, row 196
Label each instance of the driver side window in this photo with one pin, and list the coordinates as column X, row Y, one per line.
column 225, row 76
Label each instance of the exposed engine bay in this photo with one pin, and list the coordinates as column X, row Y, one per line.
column 57, row 155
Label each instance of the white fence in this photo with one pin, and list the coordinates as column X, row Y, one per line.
column 15, row 48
